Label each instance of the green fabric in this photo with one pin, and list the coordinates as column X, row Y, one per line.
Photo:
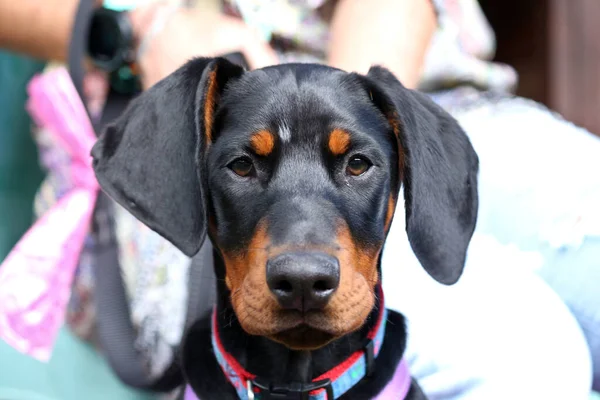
column 20, row 174
column 76, row 371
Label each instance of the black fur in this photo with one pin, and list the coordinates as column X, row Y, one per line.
column 263, row 358
column 440, row 188
column 156, row 162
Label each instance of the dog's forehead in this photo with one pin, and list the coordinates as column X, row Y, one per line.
column 294, row 102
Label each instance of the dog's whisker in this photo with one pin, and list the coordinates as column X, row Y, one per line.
column 230, row 320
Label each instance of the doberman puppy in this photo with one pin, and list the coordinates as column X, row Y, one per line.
column 294, row 172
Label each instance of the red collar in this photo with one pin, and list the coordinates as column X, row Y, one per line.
column 330, row 385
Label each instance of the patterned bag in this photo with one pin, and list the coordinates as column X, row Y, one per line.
column 86, row 261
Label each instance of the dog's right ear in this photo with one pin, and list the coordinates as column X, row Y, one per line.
column 150, row 159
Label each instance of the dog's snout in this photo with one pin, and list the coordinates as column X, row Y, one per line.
column 303, row 280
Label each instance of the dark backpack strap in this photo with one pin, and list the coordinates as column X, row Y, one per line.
column 116, row 332
column 78, row 44
column 115, row 329
column 202, row 285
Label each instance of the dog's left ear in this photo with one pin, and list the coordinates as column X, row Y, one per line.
column 150, row 159
column 439, row 169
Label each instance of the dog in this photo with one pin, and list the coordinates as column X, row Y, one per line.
column 294, row 173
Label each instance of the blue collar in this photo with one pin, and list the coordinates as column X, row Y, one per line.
column 329, row 386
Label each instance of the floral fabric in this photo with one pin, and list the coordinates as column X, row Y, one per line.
column 460, row 52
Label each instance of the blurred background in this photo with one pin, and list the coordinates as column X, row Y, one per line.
column 553, row 45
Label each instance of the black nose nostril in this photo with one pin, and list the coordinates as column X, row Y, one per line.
column 322, row 286
column 283, row 286
column 303, row 280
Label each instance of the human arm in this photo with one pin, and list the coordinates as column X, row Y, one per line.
column 392, row 33
column 38, row 28
column 42, row 29
column 196, row 32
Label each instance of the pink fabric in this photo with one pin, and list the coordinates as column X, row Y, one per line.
column 398, row 387
column 36, row 276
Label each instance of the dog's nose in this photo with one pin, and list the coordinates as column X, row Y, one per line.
column 303, row 280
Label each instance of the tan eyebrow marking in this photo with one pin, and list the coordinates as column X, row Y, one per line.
column 262, row 142
column 339, row 142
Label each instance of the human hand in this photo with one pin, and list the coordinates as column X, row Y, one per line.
column 189, row 33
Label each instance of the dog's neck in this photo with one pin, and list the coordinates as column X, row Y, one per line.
column 275, row 364
column 274, row 361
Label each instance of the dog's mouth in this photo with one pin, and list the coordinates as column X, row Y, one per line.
column 260, row 314
column 306, row 331
column 303, row 337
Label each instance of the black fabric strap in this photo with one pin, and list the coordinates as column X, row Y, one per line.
column 116, row 331
column 115, row 102
column 202, row 285
column 78, row 44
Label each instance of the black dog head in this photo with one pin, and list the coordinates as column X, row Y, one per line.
column 294, row 171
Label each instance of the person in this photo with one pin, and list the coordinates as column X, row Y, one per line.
column 500, row 332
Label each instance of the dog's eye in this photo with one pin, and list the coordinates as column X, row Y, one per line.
column 242, row 166
column 358, row 165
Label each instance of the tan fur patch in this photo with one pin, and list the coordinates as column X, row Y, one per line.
column 238, row 265
column 391, row 207
column 362, row 259
column 260, row 314
column 263, row 143
column 210, row 104
column 396, row 125
column 339, row 142
column 255, row 307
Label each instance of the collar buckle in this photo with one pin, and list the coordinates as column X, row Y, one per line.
column 292, row 391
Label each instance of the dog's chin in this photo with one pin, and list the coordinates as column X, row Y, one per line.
column 312, row 330
column 347, row 312
column 302, row 331
column 303, row 337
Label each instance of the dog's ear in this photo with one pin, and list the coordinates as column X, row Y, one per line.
column 150, row 159
column 438, row 167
